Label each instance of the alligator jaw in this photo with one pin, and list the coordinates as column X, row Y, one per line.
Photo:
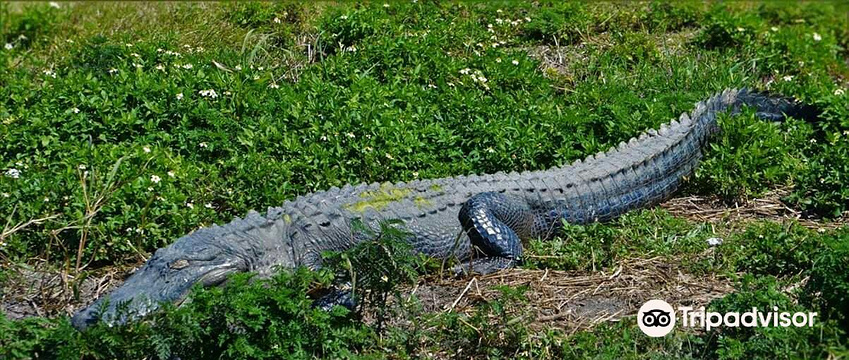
column 166, row 277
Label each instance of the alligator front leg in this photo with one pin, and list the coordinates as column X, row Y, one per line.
column 495, row 224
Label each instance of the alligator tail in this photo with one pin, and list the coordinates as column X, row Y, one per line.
column 648, row 169
column 776, row 107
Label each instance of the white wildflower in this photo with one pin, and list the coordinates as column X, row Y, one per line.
column 274, row 86
column 50, row 73
column 208, row 93
column 149, row 189
column 490, row 150
column 227, row 93
column 146, row 149
column 415, row 174
column 135, row 55
column 385, row 5
column 498, row 60
column 54, row 5
column 740, row 29
column 465, row 71
column 69, row 41
column 202, row 145
column 155, row 179
column 128, row 45
column 138, row 66
column 817, row 37
column 388, row 156
column 9, row 46
column 187, row 66
column 787, row 78
column 432, row 86
column 527, row 19
column 838, row 92
column 276, row 20
column 344, row 17
column 208, row 205
column 5, row 195
column 113, row 70
column 368, row 148
column 261, row 68
column 238, row 68
column 13, row 173
column 46, row 199
column 499, row 11
column 256, row 77
column 714, row 241
column 160, row 67
column 159, row 50
column 499, row 21
column 171, row 173
column 350, row 135
column 180, row 96
column 774, row 29
column 81, row 166
column 190, row 205
column 75, row 110
column 515, row 62
column 821, row 230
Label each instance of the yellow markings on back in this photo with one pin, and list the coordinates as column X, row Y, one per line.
column 378, row 199
column 422, row 202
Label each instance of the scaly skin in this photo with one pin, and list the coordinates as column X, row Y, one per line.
column 480, row 220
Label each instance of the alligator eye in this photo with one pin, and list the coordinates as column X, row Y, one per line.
column 179, row 264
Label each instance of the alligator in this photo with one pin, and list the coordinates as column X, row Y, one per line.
column 479, row 220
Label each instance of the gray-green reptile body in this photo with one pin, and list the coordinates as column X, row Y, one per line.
column 484, row 217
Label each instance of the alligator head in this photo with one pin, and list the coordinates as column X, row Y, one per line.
column 166, row 277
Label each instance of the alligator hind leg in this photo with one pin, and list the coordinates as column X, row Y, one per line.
column 494, row 223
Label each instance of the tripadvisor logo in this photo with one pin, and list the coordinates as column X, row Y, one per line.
column 657, row 318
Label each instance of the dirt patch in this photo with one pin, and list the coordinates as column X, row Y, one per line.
column 572, row 300
column 34, row 292
column 769, row 207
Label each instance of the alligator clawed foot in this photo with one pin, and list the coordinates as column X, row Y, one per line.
column 336, row 297
column 483, row 266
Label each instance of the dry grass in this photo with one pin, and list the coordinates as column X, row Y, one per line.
column 574, row 300
column 769, row 207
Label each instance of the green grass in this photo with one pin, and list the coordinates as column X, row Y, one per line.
column 108, row 128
